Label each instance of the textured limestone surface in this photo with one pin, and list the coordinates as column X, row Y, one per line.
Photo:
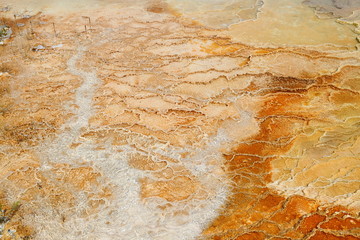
column 166, row 120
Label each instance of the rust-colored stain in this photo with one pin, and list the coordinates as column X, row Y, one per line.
column 253, row 206
column 296, row 108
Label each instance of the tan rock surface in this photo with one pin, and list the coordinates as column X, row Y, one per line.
column 136, row 122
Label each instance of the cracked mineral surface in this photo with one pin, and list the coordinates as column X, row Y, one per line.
column 180, row 120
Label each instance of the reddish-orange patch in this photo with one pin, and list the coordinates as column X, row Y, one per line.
column 268, row 227
column 328, row 236
column 270, row 203
column 255, row 208
column 309, row 223
column 341, row 224
column 294, row 209
column 252, row 236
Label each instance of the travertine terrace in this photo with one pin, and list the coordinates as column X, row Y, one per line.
column 179, row 120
